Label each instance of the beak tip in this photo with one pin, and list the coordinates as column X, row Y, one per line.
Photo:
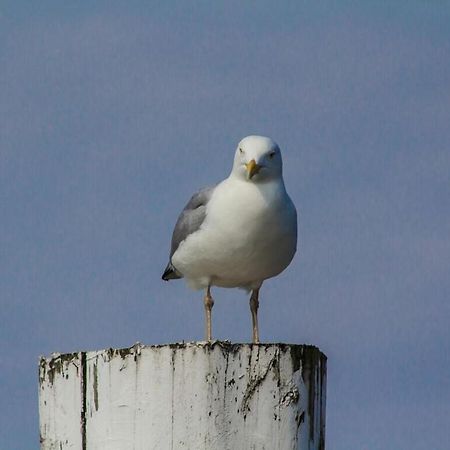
column 252, row 169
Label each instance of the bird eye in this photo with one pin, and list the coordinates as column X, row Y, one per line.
column 271, row 155
column 240, row 149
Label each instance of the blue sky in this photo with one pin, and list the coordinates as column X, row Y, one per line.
column 112, row 114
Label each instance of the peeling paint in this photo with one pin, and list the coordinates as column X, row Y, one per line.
column 56, row 365
column 254, row 383
column 291, row 396
column 95, row 386
column 185, row 395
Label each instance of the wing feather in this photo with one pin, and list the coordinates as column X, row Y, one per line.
column 189, row 221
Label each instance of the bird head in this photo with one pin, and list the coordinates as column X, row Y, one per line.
column 257, row 159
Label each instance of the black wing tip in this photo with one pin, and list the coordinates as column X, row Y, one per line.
column 170, row 273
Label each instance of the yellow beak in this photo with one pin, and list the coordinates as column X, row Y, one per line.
column 252, row 168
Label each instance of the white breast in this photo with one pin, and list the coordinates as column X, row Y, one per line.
column 249, row 235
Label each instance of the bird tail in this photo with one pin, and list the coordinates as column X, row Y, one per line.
column 170, row 273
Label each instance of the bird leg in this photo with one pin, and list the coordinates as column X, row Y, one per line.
column 254, row 305
column 209, row 303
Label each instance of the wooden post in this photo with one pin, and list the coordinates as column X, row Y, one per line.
column 197, row 396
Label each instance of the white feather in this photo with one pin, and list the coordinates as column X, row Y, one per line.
column 250, row 230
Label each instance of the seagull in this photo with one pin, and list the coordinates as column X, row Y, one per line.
column 238, row 233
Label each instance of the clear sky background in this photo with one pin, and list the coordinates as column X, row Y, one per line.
column 113, row 113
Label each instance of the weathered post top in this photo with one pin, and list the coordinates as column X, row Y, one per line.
column 198, row 396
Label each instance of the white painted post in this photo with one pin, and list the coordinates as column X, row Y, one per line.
column 197, row 396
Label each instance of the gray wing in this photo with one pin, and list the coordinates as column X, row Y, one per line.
column 191, row 217
column 189, row 221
